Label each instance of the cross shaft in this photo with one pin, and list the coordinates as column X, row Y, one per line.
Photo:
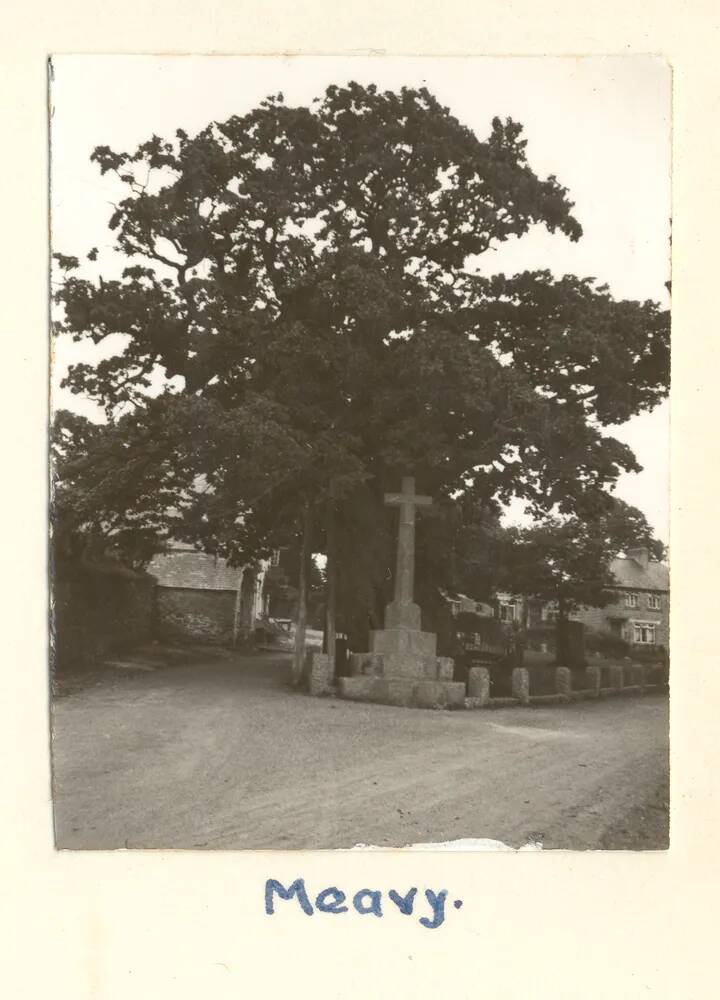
column 407, row 501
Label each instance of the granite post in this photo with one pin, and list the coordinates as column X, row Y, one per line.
column 322, row 674
column 563, row 681
column 521, row 685
column 479, row 685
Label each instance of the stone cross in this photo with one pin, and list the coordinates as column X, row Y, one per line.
column 404, row 612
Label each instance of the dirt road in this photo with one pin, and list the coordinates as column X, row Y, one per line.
column 223, row 755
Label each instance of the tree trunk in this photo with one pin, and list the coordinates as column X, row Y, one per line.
column 331, row 582
column 521, row 637
column 238, row 608
column 562, row 652
column 301, row 624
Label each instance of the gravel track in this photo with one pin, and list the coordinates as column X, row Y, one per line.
column 222, row 754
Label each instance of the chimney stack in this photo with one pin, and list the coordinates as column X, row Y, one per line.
column 641, row 555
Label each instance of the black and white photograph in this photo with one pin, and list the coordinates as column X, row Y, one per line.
column 359, row 452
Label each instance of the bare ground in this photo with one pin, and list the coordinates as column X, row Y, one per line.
column 221, row 753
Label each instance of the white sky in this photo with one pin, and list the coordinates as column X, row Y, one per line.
column 602, row 125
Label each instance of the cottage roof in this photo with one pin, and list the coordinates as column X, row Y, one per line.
column 190, row 569
column 631, row 574
column 468, row 603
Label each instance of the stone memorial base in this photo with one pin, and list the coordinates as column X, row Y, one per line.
column 402, row 668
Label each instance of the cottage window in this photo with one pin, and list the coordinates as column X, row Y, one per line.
column 507, row 611
column 644, row 633
column 631, row 600
column 653, row 602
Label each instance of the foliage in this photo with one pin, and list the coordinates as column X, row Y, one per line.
column 305, row 284
column 607, row 644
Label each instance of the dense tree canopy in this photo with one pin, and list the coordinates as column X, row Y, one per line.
column 307, row 284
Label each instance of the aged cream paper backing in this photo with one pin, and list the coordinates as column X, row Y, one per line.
column 182, row 925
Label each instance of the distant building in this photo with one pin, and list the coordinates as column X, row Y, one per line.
column 639, row 614
column 462, row 604
column 198, row 596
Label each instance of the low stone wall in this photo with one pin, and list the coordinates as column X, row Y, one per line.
column 542, row 680
column 200, row 615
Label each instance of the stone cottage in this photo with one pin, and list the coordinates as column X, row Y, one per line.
column 200, row 597
column 640, row 613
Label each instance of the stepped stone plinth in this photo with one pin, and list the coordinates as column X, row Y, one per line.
column 402, row 667
column 404, row 691
column 403, row 641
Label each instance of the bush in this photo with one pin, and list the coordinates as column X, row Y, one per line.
column 650, row 654
column 613, row 647
column 607, row 644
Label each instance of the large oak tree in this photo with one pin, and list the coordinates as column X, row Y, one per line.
column 308, row 284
